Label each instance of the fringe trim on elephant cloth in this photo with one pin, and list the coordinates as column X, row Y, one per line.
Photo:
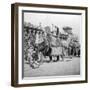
column 56, row 51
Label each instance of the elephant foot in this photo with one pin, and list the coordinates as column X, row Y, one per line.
column 35, row 65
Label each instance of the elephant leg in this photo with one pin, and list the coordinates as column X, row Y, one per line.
column 62, row 57
column 50, row 57
column 69, row 51
column 58, row 58
column 79, row 53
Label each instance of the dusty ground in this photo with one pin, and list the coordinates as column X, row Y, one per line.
column 60, row 68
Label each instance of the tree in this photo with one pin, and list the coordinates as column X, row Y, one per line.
column 67, row 29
